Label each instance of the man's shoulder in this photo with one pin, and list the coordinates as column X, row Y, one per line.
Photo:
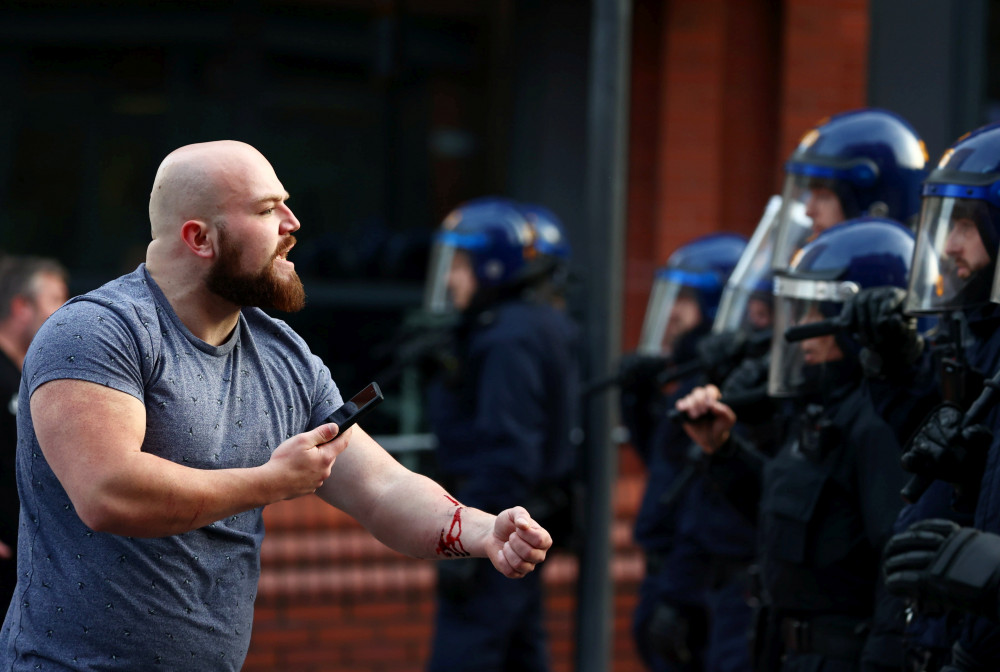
column 124, row 305
column 128, row 293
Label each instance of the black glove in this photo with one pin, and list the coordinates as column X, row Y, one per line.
column 677, row 634
column 747, row 378
column 942, row 449
column 939, row 565
column 721, row 353
column 890, row 341
column 640, row 371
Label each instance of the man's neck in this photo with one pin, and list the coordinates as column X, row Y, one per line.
column 207, row 316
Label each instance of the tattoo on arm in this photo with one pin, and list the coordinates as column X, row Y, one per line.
column 450, row 540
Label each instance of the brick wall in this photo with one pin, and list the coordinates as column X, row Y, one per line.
column 332, row 598
column 722, row 91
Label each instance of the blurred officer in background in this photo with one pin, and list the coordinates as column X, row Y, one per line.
column 955, row 454
column 828, row 499
column 31, row 288
column 503, row 416
column 673, row 624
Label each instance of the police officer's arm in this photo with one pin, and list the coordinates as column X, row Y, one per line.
column 414, row 515
column 92, row 436
column 733, row 465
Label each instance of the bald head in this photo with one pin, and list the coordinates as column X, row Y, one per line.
column 196, row 182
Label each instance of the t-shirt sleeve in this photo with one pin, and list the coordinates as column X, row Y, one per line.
column 327, row 397
column 86, row 340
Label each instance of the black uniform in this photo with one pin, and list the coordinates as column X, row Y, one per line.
column 828, row 501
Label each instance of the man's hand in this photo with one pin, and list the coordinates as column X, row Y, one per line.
column 5, row 552
column 302, row 463
column 712, row 420
column 518, row 543
column 938, row 564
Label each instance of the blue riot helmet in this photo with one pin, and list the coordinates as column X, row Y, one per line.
column 686, row 291
column 552, row 244
column 551, row 239
column 863, row 162
column 493, row 239
column 829, row 270
column 747, row 299
column 957, row 237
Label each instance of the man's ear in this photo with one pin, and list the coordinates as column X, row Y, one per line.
column 197, row 235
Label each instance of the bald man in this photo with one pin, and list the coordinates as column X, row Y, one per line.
column 166, row 409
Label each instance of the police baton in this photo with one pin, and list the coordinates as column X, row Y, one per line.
column 654, row 366
column 827, row 327
column 737, row 402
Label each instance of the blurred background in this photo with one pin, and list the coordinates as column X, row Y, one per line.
column 641, row 123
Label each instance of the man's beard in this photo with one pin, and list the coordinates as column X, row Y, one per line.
column 263, row 289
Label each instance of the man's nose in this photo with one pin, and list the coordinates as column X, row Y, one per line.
column 289, row 223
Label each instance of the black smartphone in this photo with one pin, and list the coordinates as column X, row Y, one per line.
column 356, row 407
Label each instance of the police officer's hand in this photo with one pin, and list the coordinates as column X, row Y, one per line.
column 938, row 564
column 750, row 376
column 676, row 634
column 890, row 341
column 709, row 420
column 942, row 449
column 636, row 370
column 721, row 353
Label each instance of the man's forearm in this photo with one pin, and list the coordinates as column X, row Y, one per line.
column 416, row 516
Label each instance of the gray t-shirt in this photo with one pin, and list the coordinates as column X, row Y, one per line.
column 87, row 600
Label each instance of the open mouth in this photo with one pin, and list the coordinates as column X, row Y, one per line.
column 282, row 255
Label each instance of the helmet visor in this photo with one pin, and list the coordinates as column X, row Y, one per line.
column 797, row 368
column 793, row 228
column 672, row 311
column 746, row 303
column 437, row 293
column 436, row 297
column 952, row 267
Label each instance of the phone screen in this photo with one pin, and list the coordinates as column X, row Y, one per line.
column 356, row 407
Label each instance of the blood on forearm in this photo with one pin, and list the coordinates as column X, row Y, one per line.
column 450, row 539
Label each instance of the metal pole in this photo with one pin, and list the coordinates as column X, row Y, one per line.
column 607, row 136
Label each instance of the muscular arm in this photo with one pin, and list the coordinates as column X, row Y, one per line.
column 414, row 515
column 91, row 437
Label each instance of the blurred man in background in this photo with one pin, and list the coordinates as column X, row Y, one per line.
column 31, row 288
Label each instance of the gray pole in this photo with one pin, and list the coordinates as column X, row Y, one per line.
column 607, row 137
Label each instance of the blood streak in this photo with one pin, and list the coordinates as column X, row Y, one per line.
column 450, row 541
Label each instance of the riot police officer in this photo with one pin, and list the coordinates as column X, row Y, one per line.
column 828, row 499
column 674, row 625
column 502, row 419
column 954, row 270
